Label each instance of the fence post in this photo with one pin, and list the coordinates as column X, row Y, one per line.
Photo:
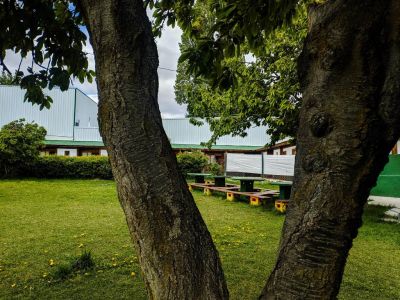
column 262, row 164
column 225, row 162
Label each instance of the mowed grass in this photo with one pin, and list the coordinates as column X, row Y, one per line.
column 59, row 219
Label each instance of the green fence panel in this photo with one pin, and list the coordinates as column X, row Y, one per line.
column 389, row 180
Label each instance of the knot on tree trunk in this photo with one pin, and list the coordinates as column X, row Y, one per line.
column 321, row 124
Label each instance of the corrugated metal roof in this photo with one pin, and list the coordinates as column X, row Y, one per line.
column 216, row 147
column 181, row 131
column 74, row 143
column 69, row 107
column 174, row 146
column 59, row 121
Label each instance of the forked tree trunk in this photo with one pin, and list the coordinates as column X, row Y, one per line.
column 176, row 252
column 349, row 70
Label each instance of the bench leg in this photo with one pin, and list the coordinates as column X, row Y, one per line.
column 230, row 196
column 255, row 201
column 207, row 192
column 280, row 206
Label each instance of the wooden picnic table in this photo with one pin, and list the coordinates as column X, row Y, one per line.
column 199, row 177
column 247, row 183
column 285, row 188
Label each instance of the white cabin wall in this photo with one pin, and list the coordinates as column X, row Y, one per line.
column 72, row 152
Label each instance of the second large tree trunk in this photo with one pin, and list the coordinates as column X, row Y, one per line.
column 349, row 121
column 176, row 252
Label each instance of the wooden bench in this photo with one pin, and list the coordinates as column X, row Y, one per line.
column 208, row 187
column 223, row 189
column 256, row 198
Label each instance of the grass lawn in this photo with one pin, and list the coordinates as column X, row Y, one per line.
column 58, row 219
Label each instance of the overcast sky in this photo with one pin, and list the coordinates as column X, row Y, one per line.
column 168, row 51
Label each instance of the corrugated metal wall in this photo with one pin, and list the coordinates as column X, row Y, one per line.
column 87, row 134
column 58, row 121
column 181, row 131
column 86, row 110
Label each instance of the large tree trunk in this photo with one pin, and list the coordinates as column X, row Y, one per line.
column 177, row 255
column 349, row 121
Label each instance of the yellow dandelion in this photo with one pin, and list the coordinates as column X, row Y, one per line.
column 113, row 258
column 45, row 275
column 133, row 274
column 13, row 285
column 114, row 264
column 80, row 245
column 51, row 262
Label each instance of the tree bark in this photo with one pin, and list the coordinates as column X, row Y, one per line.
column 349, row 121
column 176, row 252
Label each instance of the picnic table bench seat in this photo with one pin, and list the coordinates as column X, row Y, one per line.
column 212, row 186
column 256, row 197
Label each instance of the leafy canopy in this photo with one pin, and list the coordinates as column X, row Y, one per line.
column 266, row 90
column 237, row 23
column 6, row 78
column 47, row 35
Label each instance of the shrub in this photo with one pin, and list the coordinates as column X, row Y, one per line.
column 70, row 167
column 214, row 168
column 20, row 143
column 191, row 162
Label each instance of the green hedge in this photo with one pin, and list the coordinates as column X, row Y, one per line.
column 70, row 167
column 99, row 166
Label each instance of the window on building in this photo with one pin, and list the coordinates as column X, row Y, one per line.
column 66, row 153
